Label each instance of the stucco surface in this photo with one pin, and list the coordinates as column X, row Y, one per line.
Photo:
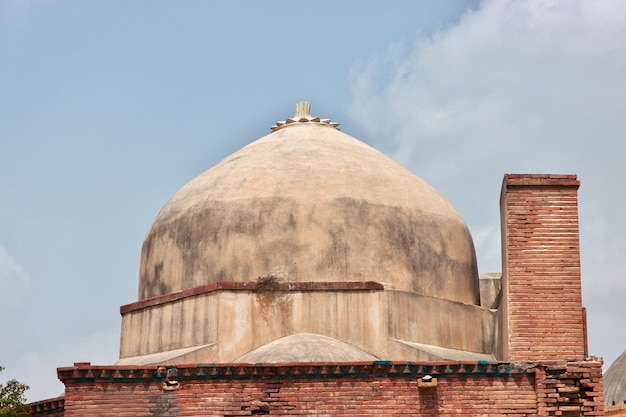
column 226, row 325
column 306, row 347
column 310, row 203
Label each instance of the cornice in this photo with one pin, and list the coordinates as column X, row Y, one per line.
column 258, row 286
column 377, row 369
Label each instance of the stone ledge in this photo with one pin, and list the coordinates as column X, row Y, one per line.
column 533, row 180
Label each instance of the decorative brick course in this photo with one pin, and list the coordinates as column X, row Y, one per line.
column 52, row 406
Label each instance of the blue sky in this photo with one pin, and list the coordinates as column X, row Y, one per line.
column 107, row 108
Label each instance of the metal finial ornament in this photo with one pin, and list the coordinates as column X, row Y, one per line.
column 303, row 115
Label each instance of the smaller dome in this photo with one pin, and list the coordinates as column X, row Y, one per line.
column 306, row 347
column 615, row 382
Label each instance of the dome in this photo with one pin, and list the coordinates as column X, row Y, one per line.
column 310, row 203
column 306, row 347
column 615, row 382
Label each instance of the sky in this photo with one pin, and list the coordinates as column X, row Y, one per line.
column 108, row 108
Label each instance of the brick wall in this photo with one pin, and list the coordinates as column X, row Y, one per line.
column 359, row 389
column 49, row 407
column 573, row 389
column 542, row 316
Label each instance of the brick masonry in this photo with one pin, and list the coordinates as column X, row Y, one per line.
column 333, row 389
column 542, row 318
column 53, row 406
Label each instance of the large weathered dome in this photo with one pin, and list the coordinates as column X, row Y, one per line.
column 310, row 203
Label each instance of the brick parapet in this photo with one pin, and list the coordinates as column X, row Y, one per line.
column 52, row 406
column 360, row 388
column 252, row 286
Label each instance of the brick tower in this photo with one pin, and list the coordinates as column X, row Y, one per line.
column 541, row 316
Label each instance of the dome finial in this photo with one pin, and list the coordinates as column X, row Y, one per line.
column 303, row 110
column 303, row 115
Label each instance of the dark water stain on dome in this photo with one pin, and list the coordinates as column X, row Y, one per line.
column 343, row 239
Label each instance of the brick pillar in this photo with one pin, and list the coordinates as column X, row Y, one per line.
column 541, row 316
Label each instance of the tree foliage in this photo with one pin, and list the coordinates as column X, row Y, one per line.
column 12, row 398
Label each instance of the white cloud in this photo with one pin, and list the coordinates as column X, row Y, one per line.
column 14, row 280
column 516, row 73
column 522, row 87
